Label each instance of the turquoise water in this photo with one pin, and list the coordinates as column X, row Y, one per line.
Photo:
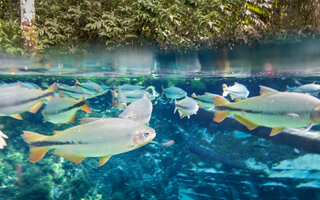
column 194, row 158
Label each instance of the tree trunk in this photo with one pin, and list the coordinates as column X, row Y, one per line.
column 27, row 24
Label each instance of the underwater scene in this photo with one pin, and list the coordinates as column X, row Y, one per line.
column 139, row 124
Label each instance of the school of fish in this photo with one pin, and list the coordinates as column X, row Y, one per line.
column 277, row 110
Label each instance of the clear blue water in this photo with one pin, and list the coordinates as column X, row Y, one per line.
column 205, row 159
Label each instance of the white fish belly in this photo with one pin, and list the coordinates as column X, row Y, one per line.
column 283, row 121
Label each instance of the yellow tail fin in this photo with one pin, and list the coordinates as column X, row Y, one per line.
column 51, row 89
column 36, row 153
column 30, row 137
column 220, row 101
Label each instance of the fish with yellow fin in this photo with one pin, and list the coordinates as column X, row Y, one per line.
column 205, row 100
column 119, row 99
column 273, row 109
column 17, row 99
column 63, row 110
column 101, row 138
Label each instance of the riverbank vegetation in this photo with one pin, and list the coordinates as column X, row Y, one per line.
column 171, row 25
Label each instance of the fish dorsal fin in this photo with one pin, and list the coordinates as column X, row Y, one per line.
column 194, row 95
column 103, row 160
column 266, row 90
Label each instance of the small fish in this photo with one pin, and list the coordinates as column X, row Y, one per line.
column 72, row 92
column 186, row 107
column 273, row 109
column 139, row 110
column 119, row 100
column 105, row 88
column 237, row 91
column 312, row 89
column 63, row 110
column 24, row 84
column 2, row 140
column 100, row 138
column 174, row 93
column 133, row 95
column 205, row 100
column 128, row 87
column 17, row 99
column 168, row 143
column 90, row 88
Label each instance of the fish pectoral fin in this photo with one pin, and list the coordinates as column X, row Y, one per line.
column 276, row 130
column 266, row 90
column 175, row 110
column 16, row 116
column 73, row 158
column 250, row 125
column 36, row 107
column 219, row 116
column 103, row 160
column 36, row 153
column 237, row 100
column 309, row 127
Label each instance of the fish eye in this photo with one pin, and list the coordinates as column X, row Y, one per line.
column 146, row 134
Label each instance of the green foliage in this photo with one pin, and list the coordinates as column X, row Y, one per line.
column 10, row 38
column 170, row 24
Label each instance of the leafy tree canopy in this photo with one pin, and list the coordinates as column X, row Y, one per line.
column 169, row 24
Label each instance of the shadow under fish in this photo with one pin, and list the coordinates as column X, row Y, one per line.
column 206, row 153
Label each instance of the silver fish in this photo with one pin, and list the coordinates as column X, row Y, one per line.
column 139, row 110
column 237, row 91
column 186, row 107
column 174, row 93
column 100, row 138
